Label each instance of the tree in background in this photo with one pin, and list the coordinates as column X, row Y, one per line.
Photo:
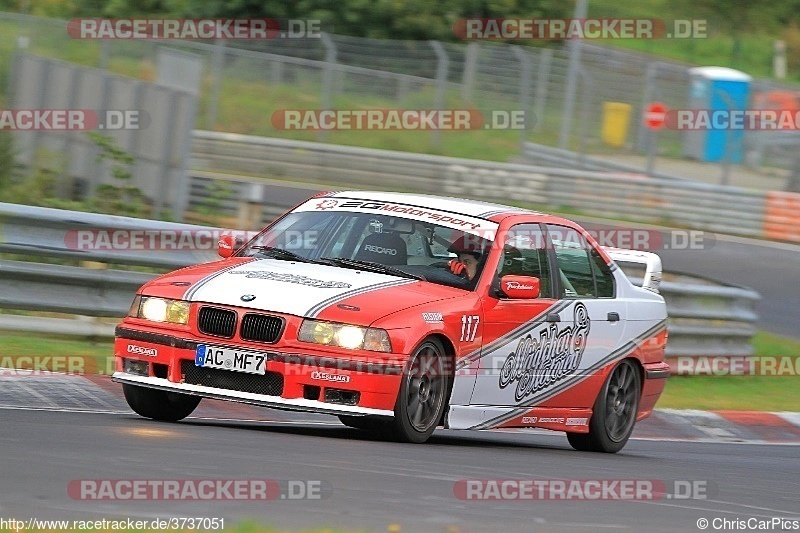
column 736, row 17
column 379, row 19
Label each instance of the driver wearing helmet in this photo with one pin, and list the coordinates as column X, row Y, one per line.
column 472, row 252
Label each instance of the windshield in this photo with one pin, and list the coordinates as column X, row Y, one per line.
column 365, row 240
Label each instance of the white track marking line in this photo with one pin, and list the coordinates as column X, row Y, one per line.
column 695, row 508
column 792, row 418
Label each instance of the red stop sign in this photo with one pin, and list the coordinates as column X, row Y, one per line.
column 654, row 115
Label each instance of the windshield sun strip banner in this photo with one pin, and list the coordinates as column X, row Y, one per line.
column 467, row 223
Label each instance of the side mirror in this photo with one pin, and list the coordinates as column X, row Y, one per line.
column 228, row 244
column 520, row 287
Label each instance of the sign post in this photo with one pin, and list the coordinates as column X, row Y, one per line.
column 654, row 117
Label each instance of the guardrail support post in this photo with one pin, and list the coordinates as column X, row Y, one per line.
column 524, row 88
column 542, row 78
column 327, row 77
column 442, row 66
column 217, row 65
column 575, row 46
column 470, row 67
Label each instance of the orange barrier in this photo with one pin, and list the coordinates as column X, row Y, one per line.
column 782, row 216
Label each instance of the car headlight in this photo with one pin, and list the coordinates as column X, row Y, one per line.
column 344, row 336
column 160, row 310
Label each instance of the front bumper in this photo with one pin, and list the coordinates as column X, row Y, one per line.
column 275, row 402
column 374, row 381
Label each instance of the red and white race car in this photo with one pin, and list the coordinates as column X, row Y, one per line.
column 403, row 312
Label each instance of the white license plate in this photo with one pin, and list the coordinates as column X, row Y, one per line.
column 230, row 359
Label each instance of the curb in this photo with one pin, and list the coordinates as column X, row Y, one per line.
column 721, row 426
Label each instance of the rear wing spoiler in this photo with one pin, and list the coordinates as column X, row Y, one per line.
column 651, row 262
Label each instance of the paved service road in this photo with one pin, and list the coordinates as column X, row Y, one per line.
column 369, row 483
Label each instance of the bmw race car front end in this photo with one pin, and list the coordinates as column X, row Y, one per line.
column 258, row 357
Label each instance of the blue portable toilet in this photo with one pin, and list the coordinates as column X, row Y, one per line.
column 716, row 88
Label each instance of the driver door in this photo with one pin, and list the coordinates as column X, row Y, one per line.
column 511, row 325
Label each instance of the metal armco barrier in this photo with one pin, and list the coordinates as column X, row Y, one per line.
column 697, row 205
column 28, row 230
column 706, row 318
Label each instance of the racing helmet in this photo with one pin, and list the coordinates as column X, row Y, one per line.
column 466, row 243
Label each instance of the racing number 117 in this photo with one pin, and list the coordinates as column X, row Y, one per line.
column 469, row 327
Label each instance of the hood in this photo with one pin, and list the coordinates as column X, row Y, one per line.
column 301, row 289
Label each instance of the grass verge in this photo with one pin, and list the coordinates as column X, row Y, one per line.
column 741, row 393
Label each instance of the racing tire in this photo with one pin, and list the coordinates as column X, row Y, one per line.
column 421, row 401
column 158, row 404
column 367, row 423
column 614, row 413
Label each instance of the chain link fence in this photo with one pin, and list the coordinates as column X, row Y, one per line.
column 244, row 82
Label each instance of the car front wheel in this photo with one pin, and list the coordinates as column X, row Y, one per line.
column 614, row 413
column 421, row 401
column 158, row 404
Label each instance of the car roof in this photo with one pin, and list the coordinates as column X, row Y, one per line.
column 473, row 208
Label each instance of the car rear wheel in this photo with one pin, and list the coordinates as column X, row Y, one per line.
column 614, row 413
column 367, row 423
column 421, row 401
column 159, row 405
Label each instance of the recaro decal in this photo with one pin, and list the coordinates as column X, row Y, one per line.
column 380, row 249
column 541, row 360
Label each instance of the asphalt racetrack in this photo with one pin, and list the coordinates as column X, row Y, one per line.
column 370, row 484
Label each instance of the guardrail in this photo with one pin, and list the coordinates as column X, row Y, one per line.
column 706, row 318
column 235, row 158
column 548, row 156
